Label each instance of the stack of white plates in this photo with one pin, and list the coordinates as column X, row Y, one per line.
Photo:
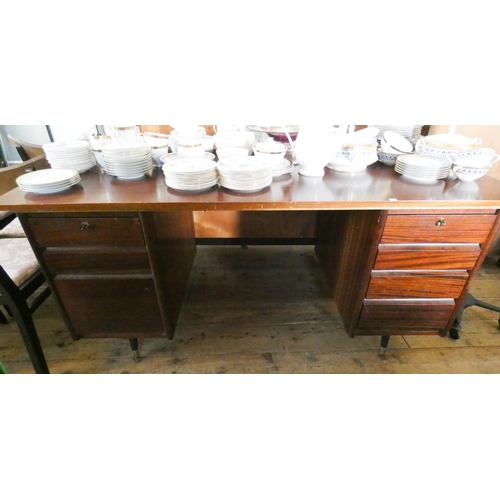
column 76, row 155
column 245, row 173
column 190, row 174
column 48, row 181
column 284, row 166
column 127, row 162
column 423, row 168
column 410, row 132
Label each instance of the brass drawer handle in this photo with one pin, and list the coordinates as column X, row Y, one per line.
column 441, row 222
column 85, row 225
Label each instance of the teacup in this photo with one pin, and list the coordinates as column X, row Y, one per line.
column 188, row 131
column 125, row 135
column 98, row 141
column 270, row 151
column 190, row 147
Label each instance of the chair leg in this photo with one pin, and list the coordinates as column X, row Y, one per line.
column 30, row 338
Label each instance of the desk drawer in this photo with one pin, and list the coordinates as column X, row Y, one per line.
column 427, row 257
column 447, row 228
column 400, row 317
column 70, row 260
column 101, row 305
column 416, row 285
column 86, row 231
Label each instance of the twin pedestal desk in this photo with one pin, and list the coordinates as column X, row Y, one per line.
column 398, row 255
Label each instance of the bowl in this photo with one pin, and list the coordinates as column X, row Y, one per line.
column 270, row 151
column 476, row 157
column 392, row 142
column 388, row 159
column 234, row 139
column 469, row 173
column 158, row 143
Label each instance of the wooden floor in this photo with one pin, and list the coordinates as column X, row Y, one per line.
column 265, row 309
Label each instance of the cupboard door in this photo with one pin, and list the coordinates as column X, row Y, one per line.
column 100, row 306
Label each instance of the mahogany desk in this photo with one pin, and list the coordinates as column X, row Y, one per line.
column 398, row 255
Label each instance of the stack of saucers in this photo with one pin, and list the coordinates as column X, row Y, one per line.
column 75, row 155
column 422, row 168
column 282, row 167
column 48, row 181
column 190, row 174
column 246, row 174
column 127, row 163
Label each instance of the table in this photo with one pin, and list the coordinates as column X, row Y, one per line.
column 398, row 255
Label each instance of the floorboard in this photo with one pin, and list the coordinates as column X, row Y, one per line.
column 264, row 310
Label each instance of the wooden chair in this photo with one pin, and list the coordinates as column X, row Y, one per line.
column 20, row 278
column 26, row 150
column 8, row 176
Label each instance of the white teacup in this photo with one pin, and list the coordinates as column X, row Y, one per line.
column 190, row 147
column 125, row 135
column 270, row 151
column 98, row 141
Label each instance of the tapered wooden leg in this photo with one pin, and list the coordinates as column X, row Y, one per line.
column 134, row 344
column 384, row 342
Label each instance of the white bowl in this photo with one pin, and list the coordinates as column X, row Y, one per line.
column 474, row 157
column 388, row 159
column 469, row 173
column 270, row 151
column 392, row 142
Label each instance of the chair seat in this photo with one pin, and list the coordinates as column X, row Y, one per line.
column 17, row 259
column 13, row 230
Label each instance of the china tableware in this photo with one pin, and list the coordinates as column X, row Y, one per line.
column 75, row 155
column 190, row 147
column 392, row 142
column 475, row 157
column 125, row 135
column 469, row 173
column 234, row 139
column 245, row 174
column 190, row 174
column 158, row 144
column 270, row 151
column 422, row 167
column 231, row 151
column 48, row 181
column 187, row 131
column 176, row 156
column 388, row 159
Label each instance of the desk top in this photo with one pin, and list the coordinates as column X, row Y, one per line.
column 378, row 188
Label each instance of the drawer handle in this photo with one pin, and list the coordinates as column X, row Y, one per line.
column 85, row 225
column 441, row 222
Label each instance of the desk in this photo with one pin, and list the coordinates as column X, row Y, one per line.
column 398, row 255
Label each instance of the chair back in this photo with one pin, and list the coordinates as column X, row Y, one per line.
column 26, row 150
column 8, row 175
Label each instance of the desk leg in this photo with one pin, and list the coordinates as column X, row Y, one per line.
column 384, row 343
column 134, row 344
column 171, row 244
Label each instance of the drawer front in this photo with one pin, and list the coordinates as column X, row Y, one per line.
column 400, row 317
column 416, row 285
column 87, row 231
column 98, row 306
column 427, row 257
column 133, row 260
column 437, row 229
